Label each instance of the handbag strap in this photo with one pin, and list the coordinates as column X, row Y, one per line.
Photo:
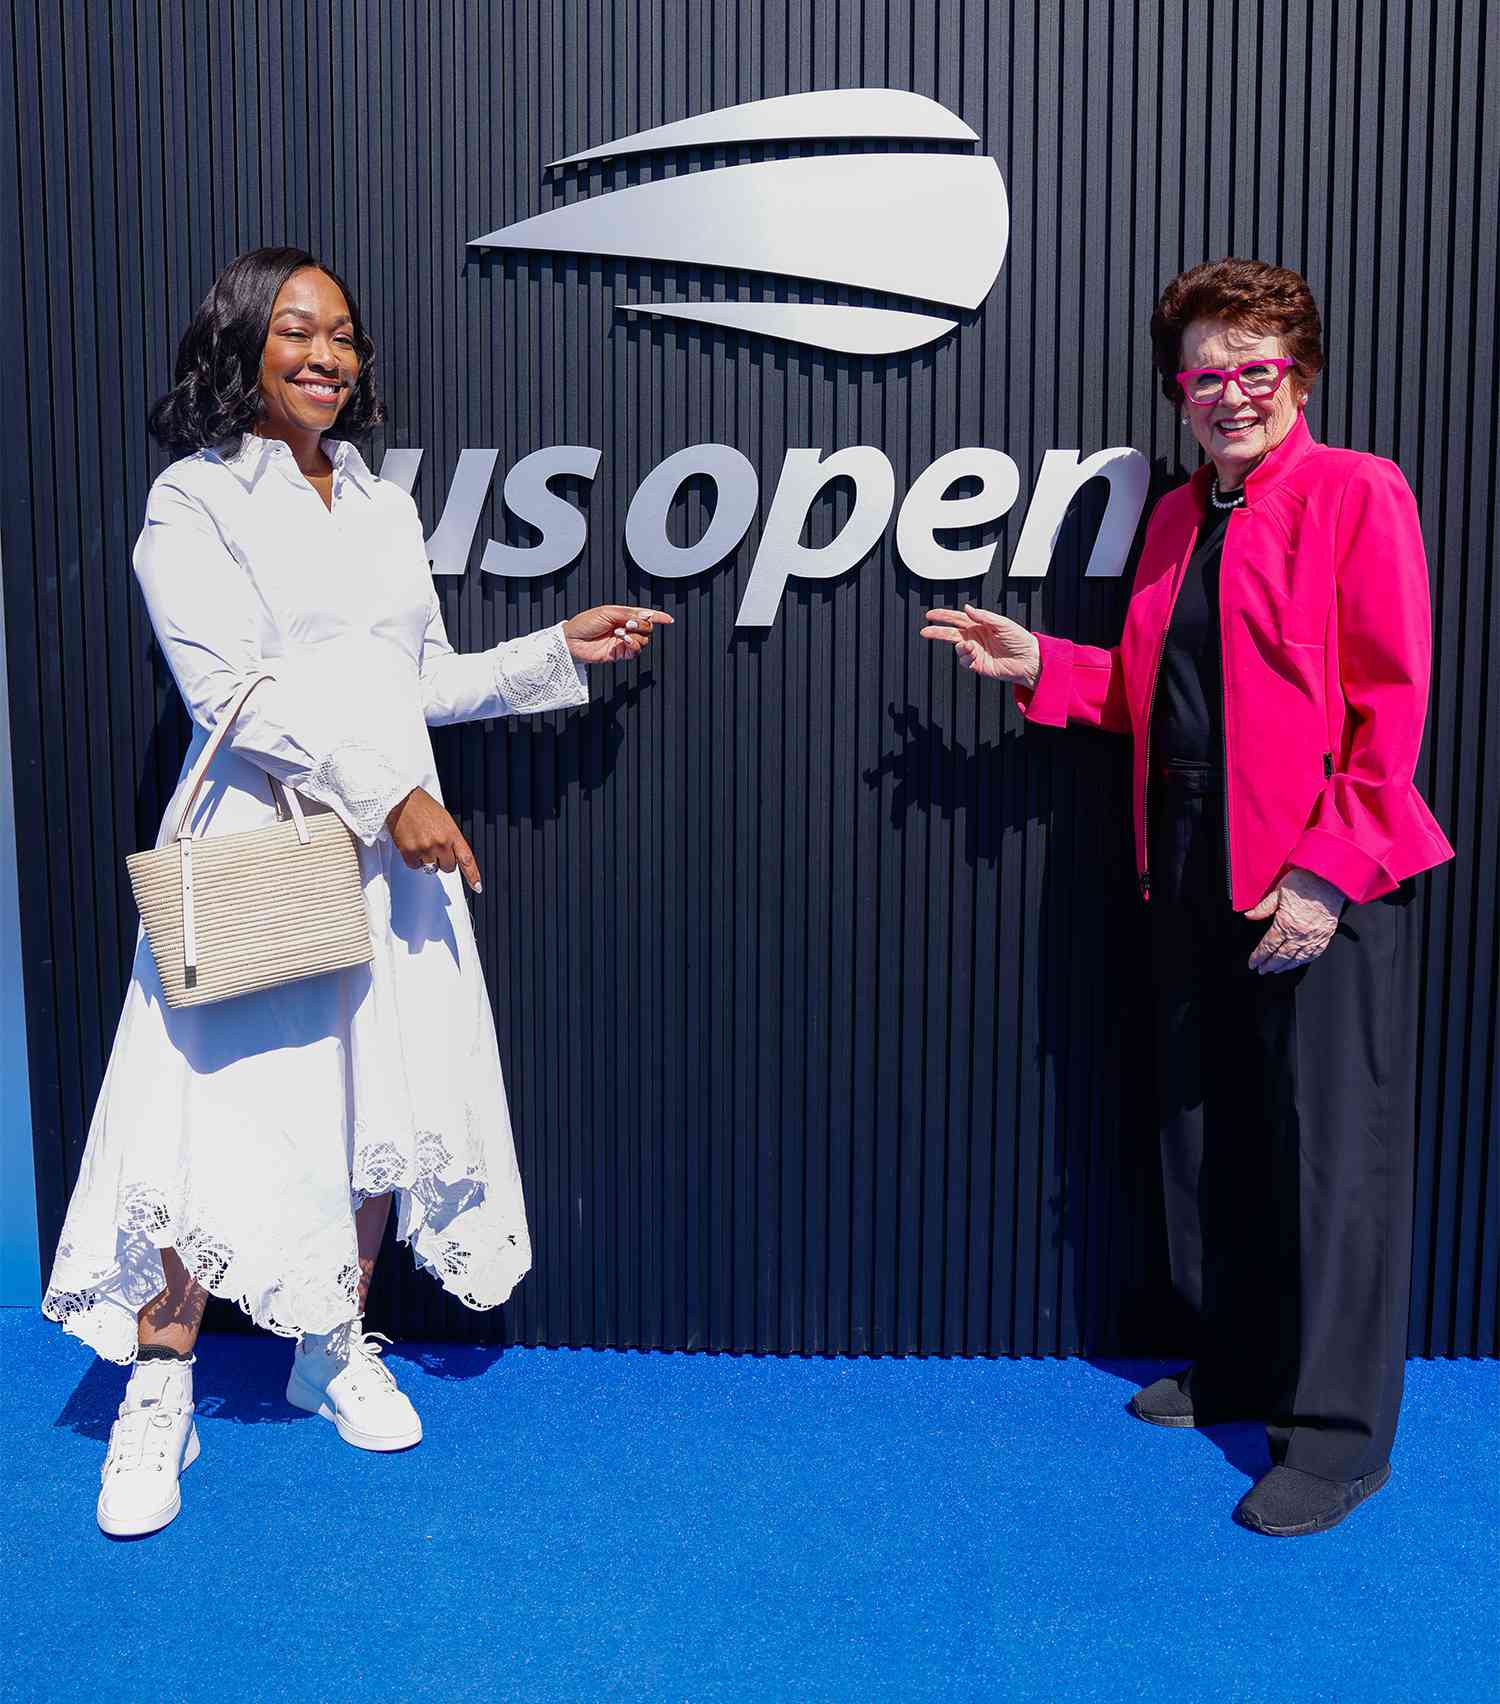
column 210, row 751
column 289, row 804
column 184, row 838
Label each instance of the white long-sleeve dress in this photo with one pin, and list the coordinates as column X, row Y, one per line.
column 244, row 1134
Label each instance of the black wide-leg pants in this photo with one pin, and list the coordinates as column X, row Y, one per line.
column 1287, row 1135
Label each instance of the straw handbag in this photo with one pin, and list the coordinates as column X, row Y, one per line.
column 236, row 913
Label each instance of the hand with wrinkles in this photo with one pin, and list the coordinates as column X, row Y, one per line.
column 988, row 643
column 1304, row 911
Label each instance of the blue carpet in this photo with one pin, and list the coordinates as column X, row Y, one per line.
column 585, row 1526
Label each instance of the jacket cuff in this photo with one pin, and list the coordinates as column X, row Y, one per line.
column 1046, row 703
column 1351, row 870
column 538, row 672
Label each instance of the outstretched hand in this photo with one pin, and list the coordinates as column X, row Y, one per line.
column 612, row 633
column 988, row 643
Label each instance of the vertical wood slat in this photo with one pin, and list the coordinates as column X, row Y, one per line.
column 814, row 978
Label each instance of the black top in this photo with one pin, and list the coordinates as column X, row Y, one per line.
column 1189, row 710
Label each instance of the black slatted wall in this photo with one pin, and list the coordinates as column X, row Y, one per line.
column 818, row 984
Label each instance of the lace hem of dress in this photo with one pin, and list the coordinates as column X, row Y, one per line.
column 537, row 672
column 99, row 1304
column 427, row 1173
column 364, row 782
column 456, row 1229
column 480, row 1285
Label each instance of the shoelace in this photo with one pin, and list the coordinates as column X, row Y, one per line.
column 137, row 1432
column 365, row 1345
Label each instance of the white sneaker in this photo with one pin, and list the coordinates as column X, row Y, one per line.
column 149, row 1445
column 339, row 1374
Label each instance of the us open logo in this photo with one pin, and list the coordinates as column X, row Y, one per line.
column 930, row 227
column 924, row 226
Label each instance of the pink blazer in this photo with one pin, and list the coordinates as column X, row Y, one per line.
column 1327, row 641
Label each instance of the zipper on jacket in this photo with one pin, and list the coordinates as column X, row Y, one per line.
column 1327, row 765
column 1224, row 708
column 1144, row 878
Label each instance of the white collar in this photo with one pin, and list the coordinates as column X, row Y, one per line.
column 248, row 459
column 348, row 463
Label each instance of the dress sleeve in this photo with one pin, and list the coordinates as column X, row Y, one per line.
column 211, row 624
column 1369, row 804
column 517, row 678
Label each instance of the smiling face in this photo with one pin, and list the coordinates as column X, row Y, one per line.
column 310, row 362
column 1238, row 430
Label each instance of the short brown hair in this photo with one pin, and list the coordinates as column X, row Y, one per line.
column 1271, row 300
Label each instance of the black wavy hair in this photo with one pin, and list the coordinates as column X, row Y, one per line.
column 216, row 393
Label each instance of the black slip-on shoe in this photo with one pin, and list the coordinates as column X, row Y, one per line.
column 1173, row 1401
column 1164, row 1403
column 1288, row 1503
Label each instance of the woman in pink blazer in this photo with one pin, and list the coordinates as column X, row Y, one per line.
column 1272, row 675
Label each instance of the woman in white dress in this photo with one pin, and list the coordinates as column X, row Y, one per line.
column 251, row 1148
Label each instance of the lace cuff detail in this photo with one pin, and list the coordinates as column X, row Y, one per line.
column 362, row 785
column 538, row 673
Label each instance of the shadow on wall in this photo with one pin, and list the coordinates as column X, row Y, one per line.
column 1087, row 1166
column 548, row 760
column 1087, row 1169
column 541, row 751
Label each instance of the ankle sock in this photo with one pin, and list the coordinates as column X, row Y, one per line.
column 159, row 1352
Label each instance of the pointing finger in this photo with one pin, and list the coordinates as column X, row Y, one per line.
column 467, row 863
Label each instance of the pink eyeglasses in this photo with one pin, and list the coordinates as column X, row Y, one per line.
column 1204, row 386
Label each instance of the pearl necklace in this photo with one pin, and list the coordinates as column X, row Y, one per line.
column 1216, row 497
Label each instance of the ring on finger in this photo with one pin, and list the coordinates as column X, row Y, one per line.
column 431, row 868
